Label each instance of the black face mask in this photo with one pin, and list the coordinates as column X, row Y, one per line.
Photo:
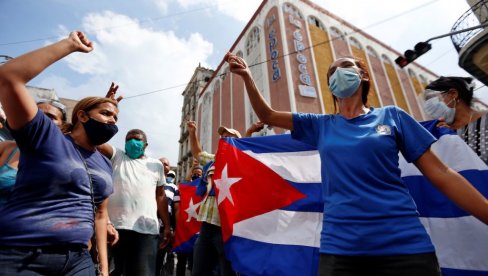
column 99, row 133
column 193, row 177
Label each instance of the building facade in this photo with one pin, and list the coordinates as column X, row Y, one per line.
column 472, row 48
column 289, row 46
column 199, row 80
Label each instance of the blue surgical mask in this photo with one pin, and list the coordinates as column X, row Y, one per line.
column 344, row 82
column 134, row 148
column 169, row 179
column 438, row 109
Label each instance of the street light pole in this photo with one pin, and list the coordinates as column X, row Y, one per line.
column 423, row 47
column 458, row 32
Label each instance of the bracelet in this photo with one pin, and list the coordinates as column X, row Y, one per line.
column 110, row 223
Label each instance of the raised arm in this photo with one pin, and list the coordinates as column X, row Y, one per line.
column 255, row 127
column 453, row 185
column 106, row 149
column 19, row 106
column 195, row 146
column 266, row 114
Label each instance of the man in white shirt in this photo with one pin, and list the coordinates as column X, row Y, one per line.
column 133, row 207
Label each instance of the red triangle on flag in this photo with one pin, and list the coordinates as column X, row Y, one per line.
column 247, row 188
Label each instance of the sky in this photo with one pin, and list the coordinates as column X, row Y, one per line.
column 155, row 45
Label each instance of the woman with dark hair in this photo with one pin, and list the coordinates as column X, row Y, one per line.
column 450, row 99
column 63, row 182
column 371, row 225
column 452, row 105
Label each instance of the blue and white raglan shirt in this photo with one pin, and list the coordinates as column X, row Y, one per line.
column 173, row 196
column 367, row 208
column 51, row 202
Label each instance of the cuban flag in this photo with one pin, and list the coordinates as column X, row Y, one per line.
column 269, row 199
column 187, row 226
column 461, row 241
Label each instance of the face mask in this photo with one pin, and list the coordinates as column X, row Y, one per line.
column 438, row 109
column 99, row 133
column 134, row 148
column 344, row 82
column 169, row 179
column 193, row 177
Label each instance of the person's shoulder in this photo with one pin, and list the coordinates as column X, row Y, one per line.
column 388, row 108
column 391, row 110
column 155, row 163
column 312, row 117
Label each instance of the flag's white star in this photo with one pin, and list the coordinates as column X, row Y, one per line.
column 224, row 184
column 192, row 210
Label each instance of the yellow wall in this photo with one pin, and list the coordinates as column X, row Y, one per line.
column 373, row 95
column 397, row 88
column 416, row 85
column 323, row 59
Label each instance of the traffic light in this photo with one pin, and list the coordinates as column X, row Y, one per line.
column 411, row 55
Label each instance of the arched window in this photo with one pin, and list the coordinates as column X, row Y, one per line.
column 291, row 9
column 423, row 79
column 386, row 59
column 312, row 20
column 371, row 52
column 411, row 73
column 253, row 40
column 354, row 42
column 336, row 33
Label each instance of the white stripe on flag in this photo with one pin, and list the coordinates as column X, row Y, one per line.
column 460, row 243
column 298, row 167
column 453, row 151
column 282, row 227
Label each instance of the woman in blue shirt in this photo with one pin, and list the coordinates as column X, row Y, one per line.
column 63, row 182
column 370, row 224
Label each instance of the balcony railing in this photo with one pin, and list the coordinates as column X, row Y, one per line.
column 477, row 15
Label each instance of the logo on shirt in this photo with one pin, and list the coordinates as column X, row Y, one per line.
column 383, row 130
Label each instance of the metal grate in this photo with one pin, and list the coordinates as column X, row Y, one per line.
column 477, row 15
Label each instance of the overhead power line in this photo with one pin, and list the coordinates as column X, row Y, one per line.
column 141, row 21
column 250, row 65
column 294, row 52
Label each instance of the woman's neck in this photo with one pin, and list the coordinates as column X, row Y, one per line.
column 80, row 138
column 351, row 108
column 464, row 115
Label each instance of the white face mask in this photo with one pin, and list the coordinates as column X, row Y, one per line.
column 438, row 109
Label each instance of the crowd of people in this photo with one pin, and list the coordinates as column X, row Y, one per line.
column 71, row 204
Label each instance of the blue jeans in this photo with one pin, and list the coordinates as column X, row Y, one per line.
column 135, row 254
column 41, row 261
column 424, row 264
column 209, row 251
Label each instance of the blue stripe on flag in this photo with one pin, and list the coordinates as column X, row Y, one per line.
column 279, row 143
column 432, row 203
column 266, row 256
column 186, row 247
column 460, row 272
